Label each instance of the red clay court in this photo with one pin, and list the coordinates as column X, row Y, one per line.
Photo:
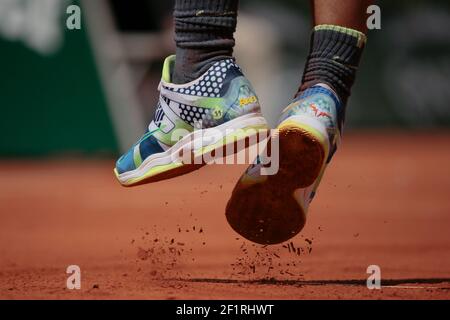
column 385, row 200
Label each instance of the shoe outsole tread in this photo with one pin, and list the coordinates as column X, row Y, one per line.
column 267, row 212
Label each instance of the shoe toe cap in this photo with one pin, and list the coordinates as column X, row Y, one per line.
column 126, row 162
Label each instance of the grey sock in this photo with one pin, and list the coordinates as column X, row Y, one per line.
column 203, row 34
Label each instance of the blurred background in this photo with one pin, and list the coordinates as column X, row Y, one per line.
column 93, row 91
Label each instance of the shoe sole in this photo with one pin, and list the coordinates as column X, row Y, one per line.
column 267, row 212
column 162, row 166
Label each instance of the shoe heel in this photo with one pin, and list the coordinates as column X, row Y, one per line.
column 303, row 151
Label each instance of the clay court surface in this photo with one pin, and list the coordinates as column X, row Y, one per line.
column 385, row 201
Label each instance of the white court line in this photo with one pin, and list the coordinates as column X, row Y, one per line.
column 414, row 287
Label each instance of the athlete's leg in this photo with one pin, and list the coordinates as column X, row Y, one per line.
column 203, row 34
column 344, row 13
column 337, row 42
column 272, row 209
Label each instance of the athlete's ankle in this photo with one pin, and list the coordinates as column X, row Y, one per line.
column 333, row 60
column 190, row 64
